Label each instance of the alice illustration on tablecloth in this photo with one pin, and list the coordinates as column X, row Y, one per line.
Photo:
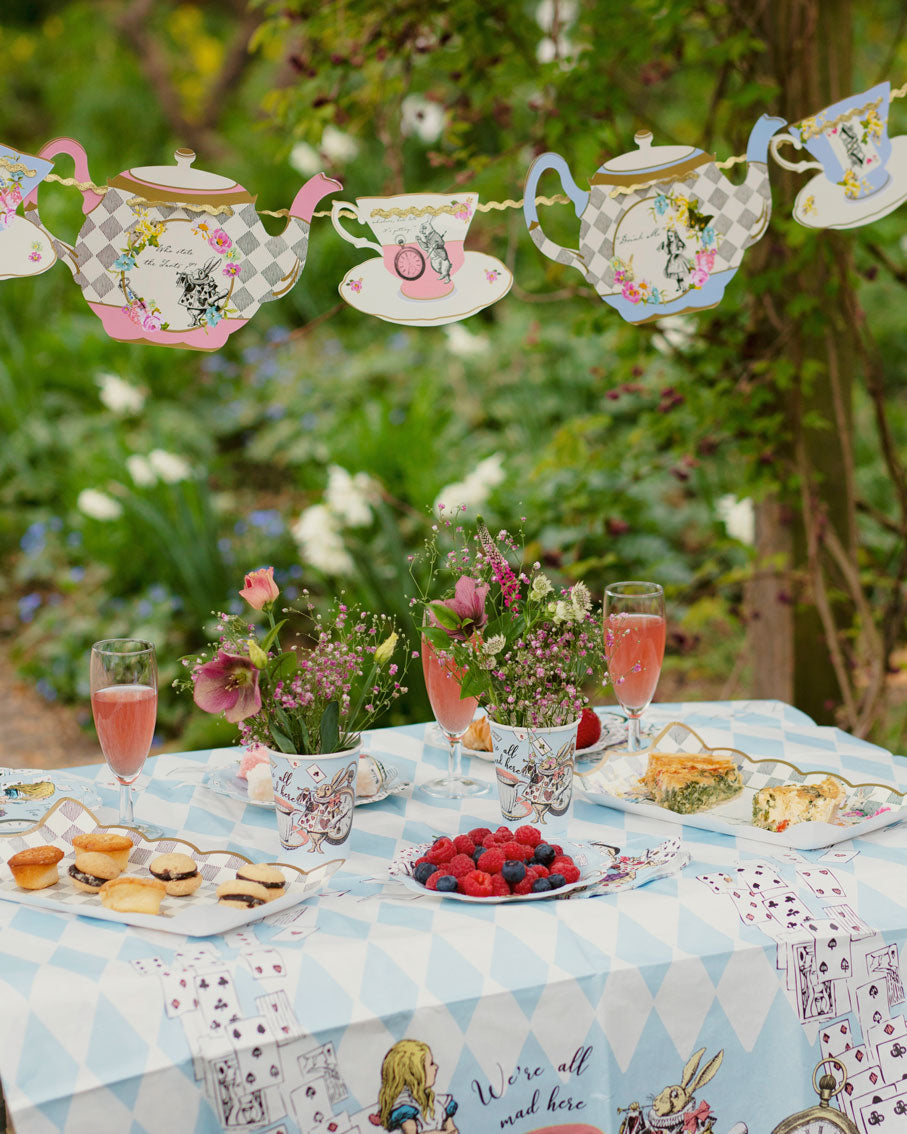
column 406, row 1101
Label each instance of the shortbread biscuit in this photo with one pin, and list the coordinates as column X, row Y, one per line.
column 178, row 872
column 117, row 847
column 268, row 876
column 91, row 870
column 242, row 895
column 131, row 894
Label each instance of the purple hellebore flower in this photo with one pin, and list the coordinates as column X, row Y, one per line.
column 228, row 684
column 468, row 604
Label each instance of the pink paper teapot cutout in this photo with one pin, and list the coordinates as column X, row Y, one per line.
column 156, row 268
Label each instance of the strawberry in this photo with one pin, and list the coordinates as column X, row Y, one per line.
column 590, row 729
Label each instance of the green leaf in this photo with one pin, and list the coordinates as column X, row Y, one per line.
column 474, row 684
column 282, row 666
column 271, row 635
column 439, row 638
column 282, row 741
column 330, row 727
column 445, row 615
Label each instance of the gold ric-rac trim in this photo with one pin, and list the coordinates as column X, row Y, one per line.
column 414, row 211
column 163, row 839
column 143, row 203
column 16, row 167
column 678, row 172
column 815, row 126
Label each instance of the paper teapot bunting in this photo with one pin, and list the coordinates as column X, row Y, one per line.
column 662, row 230
column 862, row 172
column 176, row 256
column 23, row 251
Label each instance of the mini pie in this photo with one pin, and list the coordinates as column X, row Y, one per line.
column 777, row 807
column 178, row 872
column 243, row 895
column 131, row 894
column 36, row 867
column 92, row 869
column 267, row 876
column 478, row 736
column 117, row 847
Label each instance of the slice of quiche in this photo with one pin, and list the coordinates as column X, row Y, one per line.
column 776, row 808
column 691, row 783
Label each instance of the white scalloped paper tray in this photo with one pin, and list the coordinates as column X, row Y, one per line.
column 198, row 915
column 615, row 783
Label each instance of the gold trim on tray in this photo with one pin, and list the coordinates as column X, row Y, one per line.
column 163, row 838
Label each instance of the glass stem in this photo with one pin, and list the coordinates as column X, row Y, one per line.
column 453, row 765
column 633, row 732
column 126, row 816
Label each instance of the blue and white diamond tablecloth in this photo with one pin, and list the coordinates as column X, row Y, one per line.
column 371, row 1008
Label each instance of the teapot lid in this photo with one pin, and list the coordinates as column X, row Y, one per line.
column 648, row 160
column 180, row 183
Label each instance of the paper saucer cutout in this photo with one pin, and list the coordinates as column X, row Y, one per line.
column 481, row 281
column 822, row 204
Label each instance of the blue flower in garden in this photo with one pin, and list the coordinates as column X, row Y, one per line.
column 661, row 204
column 27, row 606
column 212, row 316
column 32, row 541
column 76, row 574
column 708, row 236
column 157, row 592
column 47, row 691
column 125, row 262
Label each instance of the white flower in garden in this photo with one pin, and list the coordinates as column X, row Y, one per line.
column 674, row 333
column 562, row 611
column 581, row 600
column 305, row 159
column 546, row 11
column 419, row 116
column 473, row 491
column 140, row 470
column 170, row 467
column 98, row 505
column 463, row 343
column 541, row 586
column 550, row 49
column 318, row 536
column 350, row 497
column 119, row 396
column 337, row 146
column 738, row 517
column 494, row 645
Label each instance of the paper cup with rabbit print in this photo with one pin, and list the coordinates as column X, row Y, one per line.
column 420, row 237
column 314, row 798
column 534, row 772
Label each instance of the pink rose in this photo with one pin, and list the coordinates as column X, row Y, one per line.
column 260, row 589
column 219, row 241
column 152, row 322
column 705, row 260
column 699, row 278
column 134, row 312
column 630, row 292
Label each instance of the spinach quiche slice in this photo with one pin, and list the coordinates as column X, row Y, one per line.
column 776, row 808
column 691, row 783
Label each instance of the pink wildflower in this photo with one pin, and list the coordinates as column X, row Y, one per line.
column 219, row 241
column 228, row 684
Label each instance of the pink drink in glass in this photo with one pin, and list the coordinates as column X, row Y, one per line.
column 124, row 716
column 634, row 648
column 442, row 681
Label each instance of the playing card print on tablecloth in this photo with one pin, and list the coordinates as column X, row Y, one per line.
column 323, row 1061
column 853, row 923
column 816, row 998
column 784, row 907
column 834, row 949
column 823, row 882
column 179, row 992
column 872, row 1004
column 835, row 1038
column 892, row 1058
column 880, row 1034
column 748, row 906
column 889, row 1114
column 886, row 962
column 257, row 1058
column 217, row 999
column 279, row 1015
column 862, row 1088
column 718, row 882
column 861, row 1108
column 265, row 964
column 760, row 877
column 841, row 855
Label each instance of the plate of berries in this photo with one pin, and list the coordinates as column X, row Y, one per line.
column 505, row 865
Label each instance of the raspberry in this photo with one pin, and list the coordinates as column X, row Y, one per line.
column 525, row 887
column 446, row 884
column 432, row 883
column 518, row 851
column 531, row 836
column 499, row 886
column 504, row 832
column 477, row 884
column 463, row 844
column 513, row 872
column 561, row 860
column 490, row 841
column 590, row 729
column 491, row 861
column 442, row 851
column 568, row 871
column 420, row 860
column 477, row 834
column 423, row 870
column 459, row 865
column 558, row 851
column 539, row 871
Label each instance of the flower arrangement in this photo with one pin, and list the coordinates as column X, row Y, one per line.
column 526, row 650
column 306, row 700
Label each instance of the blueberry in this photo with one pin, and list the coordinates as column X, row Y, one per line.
column 544, row 854
column 477, row 854
column 540, row 885
column 447, row 884
column 423, row 872
column 555, row 881
column 513, row 872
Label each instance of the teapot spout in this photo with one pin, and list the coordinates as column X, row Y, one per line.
column 760, row 136
column 312, row 192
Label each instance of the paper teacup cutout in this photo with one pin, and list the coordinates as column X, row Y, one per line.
column 419, row 236
column 25, row 249
column 849, row 139
column 314, row 798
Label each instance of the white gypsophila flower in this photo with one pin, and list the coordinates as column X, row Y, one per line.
column 541, row 586
column 98, row 505
column 305, row 159
column 421, row 117
column 320, row 542
column 473, row 491
column 494, row 645
column 140, row 470
column 738, row 517
column 581, row 600
column 548, row 10
column 119, row 396
column 350, row 497
column 170, row 467
column 463, row 343
column 676, row 332
column 337, row 146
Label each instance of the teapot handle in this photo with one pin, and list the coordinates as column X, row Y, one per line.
column 542, row 164
column 796, row 166
column 70, row 146
column 358, row 241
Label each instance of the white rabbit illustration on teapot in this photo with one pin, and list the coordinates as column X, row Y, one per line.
column 662, row 230
column 178, row 256
column 675, row 1109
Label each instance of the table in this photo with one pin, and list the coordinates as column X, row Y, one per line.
column 563, row 1016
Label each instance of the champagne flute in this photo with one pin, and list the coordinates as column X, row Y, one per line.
column 454, row 715
column 634, row 628
column 123, row 681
